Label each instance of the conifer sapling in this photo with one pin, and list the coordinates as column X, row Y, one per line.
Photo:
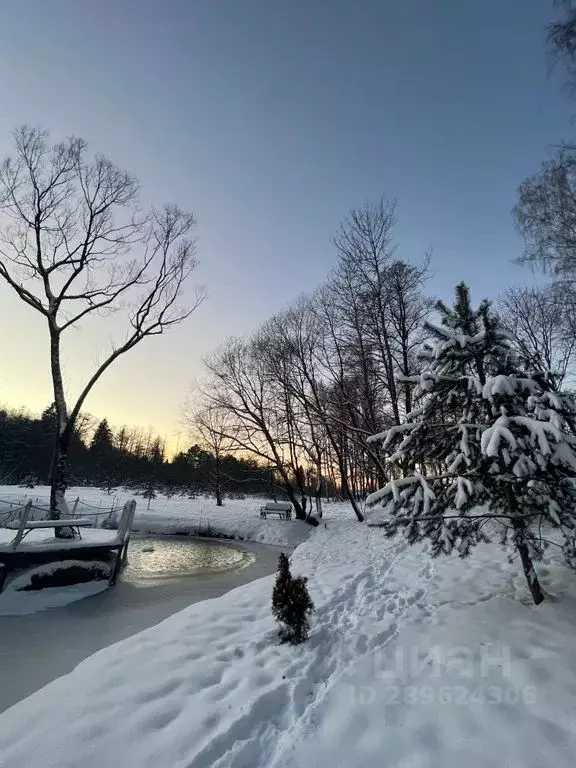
column 291, row 604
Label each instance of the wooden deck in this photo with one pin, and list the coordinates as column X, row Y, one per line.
column 41, row 547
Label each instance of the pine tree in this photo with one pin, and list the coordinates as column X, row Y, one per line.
column 149, row 491
column 291, row 604
column 487, row 445
column 102, row 440
column 102, row 455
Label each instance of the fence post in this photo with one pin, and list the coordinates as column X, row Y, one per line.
column 23, row 520
column 75, row 505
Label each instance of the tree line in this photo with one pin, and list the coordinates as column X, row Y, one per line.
column 126, row 457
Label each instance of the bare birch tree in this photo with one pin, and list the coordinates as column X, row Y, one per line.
column 73, row 245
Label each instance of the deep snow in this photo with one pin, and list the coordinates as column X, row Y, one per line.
column 36, row 649
column 411, row 662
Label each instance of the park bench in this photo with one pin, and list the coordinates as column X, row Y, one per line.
column 283, row 509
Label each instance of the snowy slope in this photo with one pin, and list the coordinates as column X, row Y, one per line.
column 412, row 662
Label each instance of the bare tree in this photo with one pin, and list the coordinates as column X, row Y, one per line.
column 366, row 249
column 212, row 426
column 74, row 245
column 541, row 328
column 299, row 339
column 562, row 40
column 319, row 378
column 380, row 303
column 546, row 215
column 85, row 426
column 240, row 383
column 408, row 309
column 546, row 210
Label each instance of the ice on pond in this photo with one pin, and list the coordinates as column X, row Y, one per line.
column 153, row 560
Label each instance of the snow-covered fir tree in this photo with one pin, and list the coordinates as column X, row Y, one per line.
column 488, row 448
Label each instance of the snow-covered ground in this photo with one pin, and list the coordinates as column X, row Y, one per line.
column 411, row 662
column 37, row 648
column 238, row 519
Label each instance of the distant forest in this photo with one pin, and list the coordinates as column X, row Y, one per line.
column 107, row 458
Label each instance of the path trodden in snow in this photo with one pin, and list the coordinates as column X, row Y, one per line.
column 411, row 662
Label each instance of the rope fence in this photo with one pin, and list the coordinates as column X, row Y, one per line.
column 104, row 517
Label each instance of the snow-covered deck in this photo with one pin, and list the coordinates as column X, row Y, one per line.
column 45, row 539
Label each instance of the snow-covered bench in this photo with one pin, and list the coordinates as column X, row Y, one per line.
column 24, row 526
column 281, row 508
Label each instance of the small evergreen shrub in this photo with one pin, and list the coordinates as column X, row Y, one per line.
column 291, row 604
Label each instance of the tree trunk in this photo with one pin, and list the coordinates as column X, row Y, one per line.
column 272, row 486
column 318, row 494
column 218, row 480
column 530, row 573
column 407, row 386
column 345, row 486
column 295, row 503
column 347, row 492
column 524, row 552
column 59, row 467
column 59, row 484
column 299, row 512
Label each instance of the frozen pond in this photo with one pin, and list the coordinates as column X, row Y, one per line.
column 155, row 560
column 180, row 570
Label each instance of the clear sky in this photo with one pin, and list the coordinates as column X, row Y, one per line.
column 270, row 119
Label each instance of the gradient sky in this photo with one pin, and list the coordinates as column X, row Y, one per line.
column 270, row 119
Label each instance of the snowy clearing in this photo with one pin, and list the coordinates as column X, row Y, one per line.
column 239, row 519
column 411, row 662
